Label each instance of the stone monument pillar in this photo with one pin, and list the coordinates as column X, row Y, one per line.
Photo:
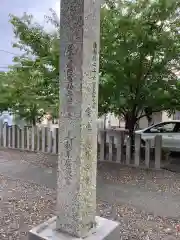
column 79, row 63
column 77, row 164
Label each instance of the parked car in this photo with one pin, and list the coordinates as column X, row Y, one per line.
column 170, row 132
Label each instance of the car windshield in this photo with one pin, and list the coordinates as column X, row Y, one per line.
column 165, row 127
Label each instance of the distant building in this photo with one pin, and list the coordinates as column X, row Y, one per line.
column 6, row 118
column 177, row 115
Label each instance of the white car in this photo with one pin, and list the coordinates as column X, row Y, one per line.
column 170, row 132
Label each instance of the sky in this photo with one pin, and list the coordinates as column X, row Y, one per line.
column 38, row 8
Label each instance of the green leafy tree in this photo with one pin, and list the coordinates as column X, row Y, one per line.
column 140, row 48
column 35, row 85
column 5, row 93
column 28, row 101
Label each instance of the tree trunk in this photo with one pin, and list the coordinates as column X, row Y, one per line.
column 130, row 123
column 119, row 122
column 34, row 121
column 148, row 112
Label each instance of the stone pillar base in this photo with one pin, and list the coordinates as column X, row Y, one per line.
column 105, row 230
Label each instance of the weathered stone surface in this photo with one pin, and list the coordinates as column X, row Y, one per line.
column 76, row 200
column 105, row 230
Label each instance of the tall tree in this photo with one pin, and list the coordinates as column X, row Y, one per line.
column 140, row 47
column 36, row 70
column 139, row 51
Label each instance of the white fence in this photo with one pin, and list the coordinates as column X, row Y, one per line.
column 111, row 145
column 115, row 150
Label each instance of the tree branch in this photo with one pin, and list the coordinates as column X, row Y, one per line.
column 144, row 115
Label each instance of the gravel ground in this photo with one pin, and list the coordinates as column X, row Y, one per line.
column 37, row 159
column 24, row 204
column 150, row 180
column 139, row 225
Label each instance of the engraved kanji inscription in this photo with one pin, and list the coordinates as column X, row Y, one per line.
column 68, row 143
column 88, row 111
column 94, row 73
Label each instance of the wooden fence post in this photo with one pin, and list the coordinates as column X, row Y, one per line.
column 128, row 151
column 38, row 138
column 13, row 136
column 49, row 140
column 120, row 144
column 57, row 140
column 43, row 140
column 1, row 133
column 55, row 136
column 18, row 137
column 22, row 139
column 137, row 154
column 158, row 151
column 28, row 138
column 102, row 146
column 5, row 135
column 33, row 138
column 111, row 141
column 9, row 137
column 147, row 153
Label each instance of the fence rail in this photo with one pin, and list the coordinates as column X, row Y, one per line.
column 111, row 145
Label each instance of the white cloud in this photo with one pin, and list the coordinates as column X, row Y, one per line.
column 40, row 10
column 57, row 7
